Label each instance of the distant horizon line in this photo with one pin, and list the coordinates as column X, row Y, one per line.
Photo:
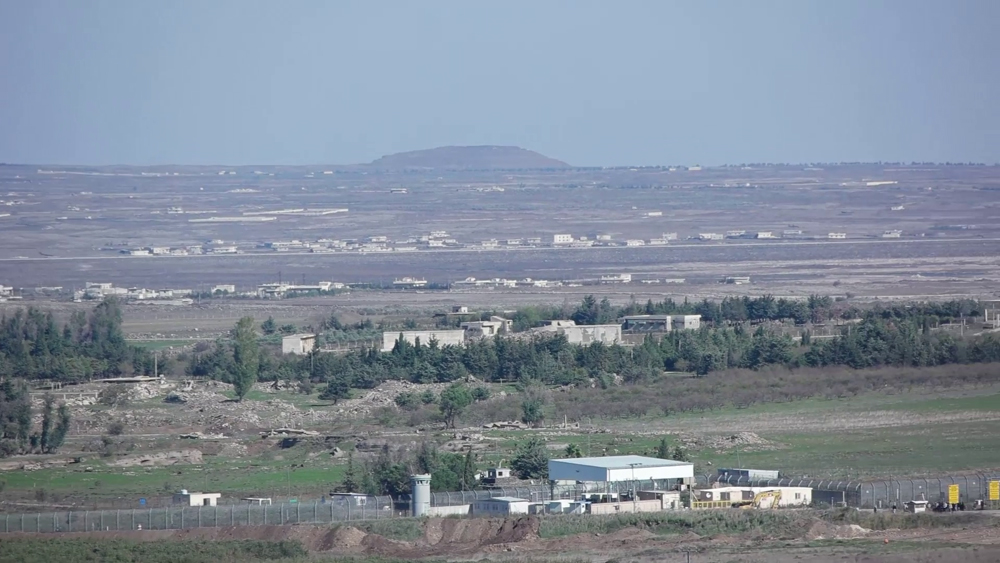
column 567, row 167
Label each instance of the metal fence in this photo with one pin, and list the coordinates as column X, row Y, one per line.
column 198, row 517
column 877, row 493
column 862, row 494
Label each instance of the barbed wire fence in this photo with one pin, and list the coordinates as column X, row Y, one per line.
column 859, row 494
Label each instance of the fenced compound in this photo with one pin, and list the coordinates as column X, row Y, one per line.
column 862, row 494
column 878, row 493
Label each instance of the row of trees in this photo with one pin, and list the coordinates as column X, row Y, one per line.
column 16, row 436
column 33, row 346
column 880, row 339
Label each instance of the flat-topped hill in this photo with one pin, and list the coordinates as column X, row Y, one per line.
column 470, row 158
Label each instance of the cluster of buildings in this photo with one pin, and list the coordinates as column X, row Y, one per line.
column 609, row 334
column 101, row 290
column 614, row 485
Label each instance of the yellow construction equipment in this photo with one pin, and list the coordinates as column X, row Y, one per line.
column 762, row 500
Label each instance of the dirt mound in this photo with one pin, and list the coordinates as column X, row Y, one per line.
column 192, row 457
column 824, row 530
column 454, row 536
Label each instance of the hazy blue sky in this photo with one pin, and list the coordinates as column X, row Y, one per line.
column 592, row 83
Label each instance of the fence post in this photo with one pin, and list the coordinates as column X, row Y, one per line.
column 133, row 519
column 118, row 514
column 149, row 526
column 182, row 518
column 298, row 514
column 265, row 515
column 232, row 515
column 199, row 516
column 281, row 514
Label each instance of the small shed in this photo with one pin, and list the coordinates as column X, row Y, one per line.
column 299, row 344
column 500, row 505
column 196, row 499
column 915, row 506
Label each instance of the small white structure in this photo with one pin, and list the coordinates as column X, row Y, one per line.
column 500, row 505
column 836, row 235
column 711, row 236
column 915, row 506
column 486, row 329
column 765, row 234
column 299, row 344
column 562, row 239
column 686, row 322
column 196, row 499
column 258, row 501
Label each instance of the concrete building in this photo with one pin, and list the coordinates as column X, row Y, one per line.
column 442, row 337
column 562, row 239
column 583, row 334
column 409, row 282
column 836, row 235
column 299, row 344
column 737, row 280
column 647, row 323
column 735, row 234
column 765, row 234
column 486, row 329
column 711, row 236
column 635, row 242
column 196, row 499
column 500, row 506
column 686, row 322
column 892, row 234
column 616, row 278
column 224, row 288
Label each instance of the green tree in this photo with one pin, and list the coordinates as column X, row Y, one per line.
column 246, row 357
column 335, row 390
column 58, row 436
column 350, row 483
column 269, row 326
column 531, row 460
column 663, row 449
column 454, row 400
column 573, row 450
column 532, row 411
column 680, row 455
column 47, row 412
column 480, row 394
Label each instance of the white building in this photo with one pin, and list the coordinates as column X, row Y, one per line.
column 635, row 242
column 562, row 239
column 711, row 236
column 500, row 505
column 299, row 344
column 686, row 322
column 196, row 499
column 836, row 235
column 442, row 337
column 790, row 496
column 735, row 234
column 583, row 334
column 616, row 278
column 486, row 329
column 620, row 468
column 765, row 234
column 892, row 234
column 224, row 288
